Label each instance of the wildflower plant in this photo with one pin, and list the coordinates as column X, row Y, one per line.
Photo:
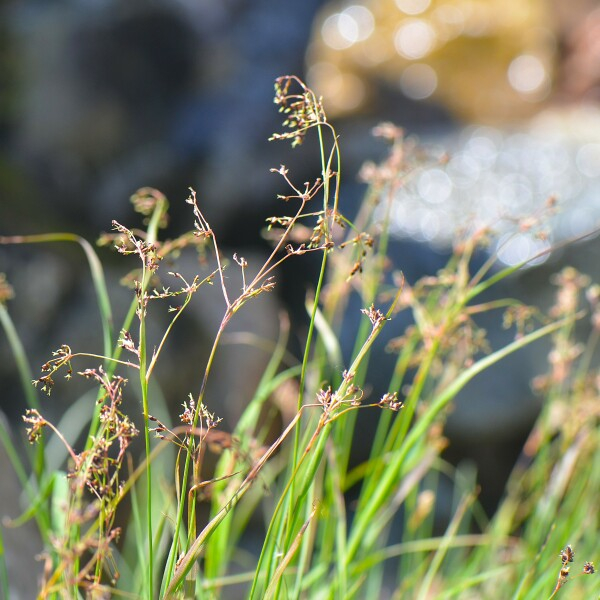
column 183, row 537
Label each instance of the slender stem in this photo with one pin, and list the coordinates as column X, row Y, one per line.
column 169, row 570
column 145, row 408
column 144, row 381
column 267, row 264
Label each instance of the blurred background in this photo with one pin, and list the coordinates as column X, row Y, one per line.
column 100, row 97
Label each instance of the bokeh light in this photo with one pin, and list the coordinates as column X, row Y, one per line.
column 414, row 39
column 483, row 60
column 494, row 179
column 413, row 7
column 342, row 30
column 588, row 159
column 418, row 81
column 527, row 74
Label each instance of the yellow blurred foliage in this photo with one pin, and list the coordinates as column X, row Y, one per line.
column 488, row 61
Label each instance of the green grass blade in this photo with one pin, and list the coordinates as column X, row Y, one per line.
column 365, row 520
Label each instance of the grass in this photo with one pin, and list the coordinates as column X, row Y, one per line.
column 184, row 535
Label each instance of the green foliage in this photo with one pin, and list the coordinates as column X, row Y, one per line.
column 183, row 538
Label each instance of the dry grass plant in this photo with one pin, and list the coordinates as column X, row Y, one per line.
column 312, row 547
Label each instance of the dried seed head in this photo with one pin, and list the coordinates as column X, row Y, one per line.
column 570, row 283
column 388, row 131
column 567, row 554
column 301, row 107
column 6, row 290
column 187, row 416
column 32, row 417
column 348, row 376
column 354, row 395
column 240, row 260
column 325, row 397
column 376, row 317
column 588, row 568
column 146, row 200
column 390, row 400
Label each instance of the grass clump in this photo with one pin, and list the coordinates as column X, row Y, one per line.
column 186, row 519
